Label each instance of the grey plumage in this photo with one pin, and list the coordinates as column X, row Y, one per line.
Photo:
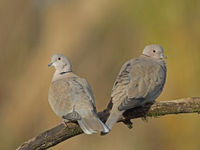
column 139, row 81
column 73, row 116
column 71, row 97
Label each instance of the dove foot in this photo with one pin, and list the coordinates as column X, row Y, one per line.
column 64, row 122
column 128, row 123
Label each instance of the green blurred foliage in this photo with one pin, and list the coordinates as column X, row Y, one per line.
column 98, row 37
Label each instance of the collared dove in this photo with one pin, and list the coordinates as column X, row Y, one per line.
column 71, row 97
column 139, row 81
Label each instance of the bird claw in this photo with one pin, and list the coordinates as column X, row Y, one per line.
column 128, row 123
column 64, row 122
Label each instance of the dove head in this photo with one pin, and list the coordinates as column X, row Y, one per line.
column 154, row 51
column 61, row 63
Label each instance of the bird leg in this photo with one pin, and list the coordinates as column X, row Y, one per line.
column 126, row 122
column 64, row 122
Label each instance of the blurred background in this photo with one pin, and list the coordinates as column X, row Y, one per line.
column 98, row 37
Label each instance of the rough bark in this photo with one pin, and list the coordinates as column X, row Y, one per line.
column 63, row 132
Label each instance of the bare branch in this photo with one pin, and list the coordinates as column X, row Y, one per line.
column 61, row 132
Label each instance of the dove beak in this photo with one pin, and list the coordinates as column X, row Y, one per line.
column 49, row 65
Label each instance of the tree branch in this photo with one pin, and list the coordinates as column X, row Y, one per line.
column 61, row 132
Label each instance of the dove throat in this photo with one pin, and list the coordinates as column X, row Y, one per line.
column 61, row 73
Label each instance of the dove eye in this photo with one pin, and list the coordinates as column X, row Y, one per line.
column 154, row 51
column 59, row 58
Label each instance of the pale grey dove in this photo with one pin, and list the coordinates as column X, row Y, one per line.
column 71, row 97
column 139, row 81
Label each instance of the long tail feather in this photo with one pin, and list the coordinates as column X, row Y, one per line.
column 113, row 118
column 90, row 123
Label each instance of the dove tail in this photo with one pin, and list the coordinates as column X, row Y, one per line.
column 90, row 124
column 113, row 118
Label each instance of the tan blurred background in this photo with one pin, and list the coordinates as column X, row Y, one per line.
column 98, row 36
